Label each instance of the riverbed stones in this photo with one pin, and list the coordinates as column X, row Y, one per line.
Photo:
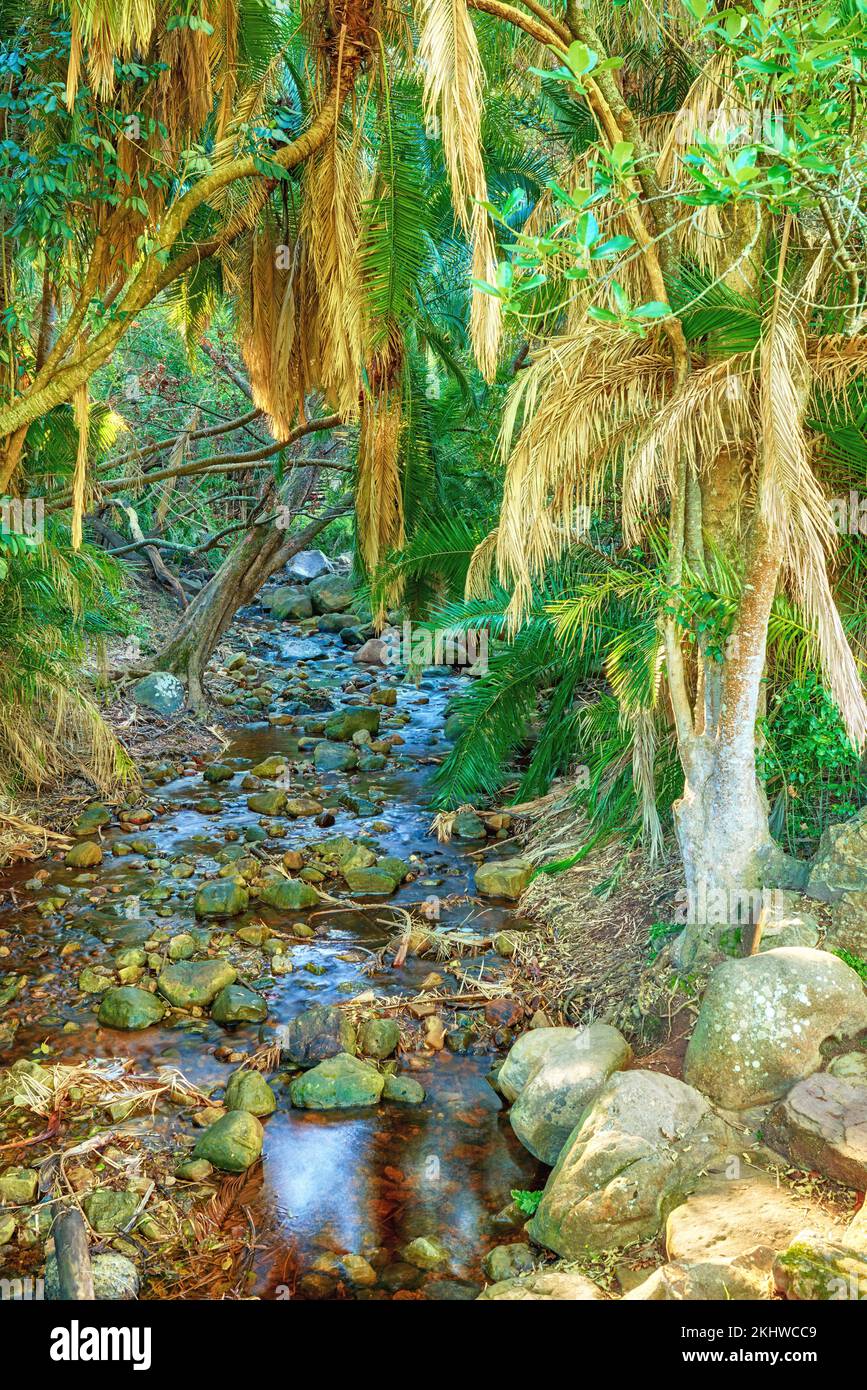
column 130, row 1008
column 821, row 1125
column 161, row 692
column 248, row 1090
column 503, row 878
column 373, row 652
column 508, row 1261
column 221, row 897
column 18, row 1185
column 373, row 881
column 316, row 1034
column 108, row 1210
column 556, row 1094
column 91, row 819
column 191, row 984
column 340, row 1083
column 308, row 564
column 290, row 601
column 334, row 757
column 405, row 1090
column 238, row 1004
column 763, row 1020
column 232, row 1143
column 524, row 1057
column 557, row 1286
column 288, row 894
column 332, row 593
column 85, row 855
column 378, row 1037
column 268, row 803
column 342, row 726
column 637, row 1151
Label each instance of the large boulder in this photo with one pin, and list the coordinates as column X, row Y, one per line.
column 340, row 1083
column 332, row 593
column 307, row 565
column 195, row 984
column 238, row 1004
column 822, row 1125
column 543, row 1285
column 763, row 1020
column 524, row 1057
column 565, row 1082
column 840, row 863
column 636, row 1154
column 503, row 878
column 722, row 1240
column 289, row 601
column 847, row 930
column 317, row 1033
column 248, row 1090
column 289, row 894
column 817, row 1269
column 160, row 691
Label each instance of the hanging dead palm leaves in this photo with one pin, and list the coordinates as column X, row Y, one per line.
column 449, row 57
column 379, row 494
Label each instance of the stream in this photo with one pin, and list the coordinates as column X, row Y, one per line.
column 364, row 1181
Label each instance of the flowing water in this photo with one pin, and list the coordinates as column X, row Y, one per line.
column 361, row 1181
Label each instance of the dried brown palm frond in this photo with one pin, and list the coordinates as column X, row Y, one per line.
column 795, row 509
column 451, row 64
column 478, row 580
column 331, row 231
column 575, row 399
column 185, row 87
column 379, row 494
column 106, row 30
column 225, row 59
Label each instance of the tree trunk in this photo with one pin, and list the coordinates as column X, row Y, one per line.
column 732, row 865
column 264, row 549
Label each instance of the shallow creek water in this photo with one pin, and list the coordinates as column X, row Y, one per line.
column 344, row 1181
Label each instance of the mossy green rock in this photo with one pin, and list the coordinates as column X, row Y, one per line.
column 340, row 1083
column 160, row 691
column 372, row 882
column 130, row 1008
column 334, row 757
column 378, row 1037
column 468, row 826
column 221, row 897
column 332, row 593
column 270, row 767
column 108, row 1211
column 18, row 1185
column 218, row 772
column 317, row 1033
column 115, row 1278
column 248, row 1090
column 268, row 803
column 189, row 984
column 503, row 878
column 290, row 601
column 816, row 1270
column 348, row 722
column 404, row 1089
column 92, row 818
column 83, row 856
column 288, row 894
column 233, row 1143
column 238, row 1004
